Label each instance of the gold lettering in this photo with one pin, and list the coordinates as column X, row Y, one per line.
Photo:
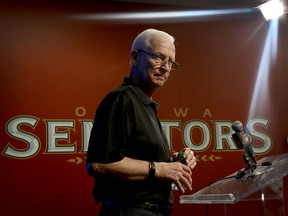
column 180, row 112
column 80, row 111
column 207, row 112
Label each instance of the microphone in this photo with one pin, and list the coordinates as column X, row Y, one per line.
column 244, row 139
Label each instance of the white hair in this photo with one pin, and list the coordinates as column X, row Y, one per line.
column 142, row 41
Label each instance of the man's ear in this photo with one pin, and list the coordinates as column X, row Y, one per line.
column 134, row 58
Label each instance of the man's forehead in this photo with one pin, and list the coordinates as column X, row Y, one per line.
column 162, row 43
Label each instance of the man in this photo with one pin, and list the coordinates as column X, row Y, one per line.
column 128, row 152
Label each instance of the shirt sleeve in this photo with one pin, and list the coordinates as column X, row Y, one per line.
column 107, row 142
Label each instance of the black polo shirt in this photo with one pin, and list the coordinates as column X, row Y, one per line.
column 126, row 125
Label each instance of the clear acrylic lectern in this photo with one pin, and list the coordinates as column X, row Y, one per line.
column 268, row 180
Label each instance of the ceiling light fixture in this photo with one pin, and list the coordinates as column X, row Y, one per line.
column 272, row 9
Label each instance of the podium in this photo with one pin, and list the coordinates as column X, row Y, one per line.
column 267, row 181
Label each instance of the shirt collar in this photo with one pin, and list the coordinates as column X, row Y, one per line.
column 140, row 94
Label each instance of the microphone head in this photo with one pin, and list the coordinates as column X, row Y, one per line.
column 237, row 126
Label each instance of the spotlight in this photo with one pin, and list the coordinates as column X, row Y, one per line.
column 272, row 9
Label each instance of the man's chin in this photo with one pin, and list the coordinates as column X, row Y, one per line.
column 159, row 83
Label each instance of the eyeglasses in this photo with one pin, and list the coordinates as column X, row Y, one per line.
column 161, row 60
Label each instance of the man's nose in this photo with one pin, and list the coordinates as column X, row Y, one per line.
column 166, row 66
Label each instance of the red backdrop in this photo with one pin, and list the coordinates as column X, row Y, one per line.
column 55, row 69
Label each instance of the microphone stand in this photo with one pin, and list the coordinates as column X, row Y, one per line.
column 250, row 167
